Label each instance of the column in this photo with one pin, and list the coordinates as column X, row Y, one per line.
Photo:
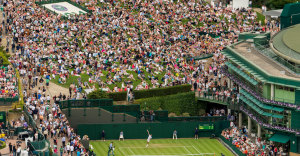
column 272, row 92
column 249, row 126
column 240, row 120
column 271, row 142
column 229, row 83
column 258, row 130
column 229, row 111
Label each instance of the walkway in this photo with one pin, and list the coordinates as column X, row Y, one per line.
column 53, row 90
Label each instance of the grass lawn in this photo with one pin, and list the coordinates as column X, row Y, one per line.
column 85, row 77
column 260, row 17
column 160, row 147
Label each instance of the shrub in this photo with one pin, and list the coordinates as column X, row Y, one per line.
column 202, row 112
column 98, row 94
column 118, row 96
column 152, row 103
column 3, row 144
column 139, row 94
column 50, row 151
column 186, row 115
column 178, row 103
column 4, row 55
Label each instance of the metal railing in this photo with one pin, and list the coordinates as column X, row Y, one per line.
column 36, row 145
column 264, row 98
column 271, row 55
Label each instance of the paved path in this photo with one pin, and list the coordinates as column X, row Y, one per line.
column 53, row 90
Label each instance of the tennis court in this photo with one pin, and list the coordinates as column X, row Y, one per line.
column 163, row 147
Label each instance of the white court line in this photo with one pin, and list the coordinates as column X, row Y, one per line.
column 187, row 150
column 166, row 155
column 157, row 147
column 122, row 152
column 197, row 150
column 131, row 151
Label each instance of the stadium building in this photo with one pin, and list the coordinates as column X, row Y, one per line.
column 267, row 71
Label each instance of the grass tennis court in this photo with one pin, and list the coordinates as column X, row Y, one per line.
column 162, row 147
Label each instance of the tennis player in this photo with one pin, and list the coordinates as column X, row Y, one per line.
column 149, row 138
column 121, row 136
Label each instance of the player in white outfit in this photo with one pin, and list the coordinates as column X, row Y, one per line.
column 149, row 138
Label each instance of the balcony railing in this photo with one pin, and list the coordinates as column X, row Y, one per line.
column 212, row 96
column 265, row 124
column 295, row 105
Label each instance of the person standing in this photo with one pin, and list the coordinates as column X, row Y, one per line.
column 61, row 150
column 63, row 140
column 121, row 136
column 149, row 138
column 19, row 150
column 175, row 134
column 41, row 81
column 68, row 148
column 196, row 133
column 103, row 135
column 14, row 150
column 72, row 149
column 10, row 148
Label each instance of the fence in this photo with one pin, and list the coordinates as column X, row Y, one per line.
column 35, row 145
column 106, row 104
column 3, row 117
column 159, row 130
column 270, row 54
column 233, row 147
column 9, row 100
column 232, row 103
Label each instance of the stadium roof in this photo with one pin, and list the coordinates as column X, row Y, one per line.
column 273, row 12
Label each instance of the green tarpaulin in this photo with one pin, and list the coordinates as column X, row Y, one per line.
column 280, row 138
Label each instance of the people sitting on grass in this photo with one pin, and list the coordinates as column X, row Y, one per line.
column 155, row 42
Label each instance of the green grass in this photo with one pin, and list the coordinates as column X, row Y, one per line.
column 157, row 147
column 260, row 17
column 85, row 77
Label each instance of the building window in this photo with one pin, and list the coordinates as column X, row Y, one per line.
column 284, row 122
column 286, row 88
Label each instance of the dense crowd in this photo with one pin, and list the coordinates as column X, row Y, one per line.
column 118, row 40
column 8, row 82
column 248, row 147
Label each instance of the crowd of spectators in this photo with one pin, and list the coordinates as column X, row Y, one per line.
column 118, row 39
column 239, row 138
column 8, row 82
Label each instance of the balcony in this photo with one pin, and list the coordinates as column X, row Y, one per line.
column 262, row 121
column 257, row 95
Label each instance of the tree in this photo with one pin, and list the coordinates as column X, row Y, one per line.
column 98, row 94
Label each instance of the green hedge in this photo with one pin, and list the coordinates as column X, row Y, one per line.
column 178, row 103
column 4, row 55
column 3, row 145
column 139, row 94
column 118, row 96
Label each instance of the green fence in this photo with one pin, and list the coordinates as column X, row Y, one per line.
column 158, row 130
column 35, row 145
column 9, row 100
column 106, row 104
column 29, row 118
column 233, row 147
column 3, row 117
